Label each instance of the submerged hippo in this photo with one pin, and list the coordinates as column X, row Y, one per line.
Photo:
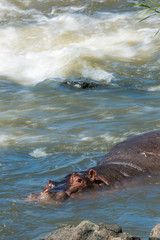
column 136, row 156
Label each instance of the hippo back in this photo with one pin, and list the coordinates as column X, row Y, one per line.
column 141, row 152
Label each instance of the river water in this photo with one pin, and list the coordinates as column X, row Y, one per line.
column 48, row 130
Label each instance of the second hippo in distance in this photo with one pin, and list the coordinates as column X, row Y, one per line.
column 134, row 157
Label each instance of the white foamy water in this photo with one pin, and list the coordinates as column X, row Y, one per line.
column 38, row 153
column 6, row 139
column 48, row 130
column 111, row 139
column 154, row 89
column 70, row 44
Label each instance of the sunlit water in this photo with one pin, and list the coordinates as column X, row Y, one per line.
column 49, row 130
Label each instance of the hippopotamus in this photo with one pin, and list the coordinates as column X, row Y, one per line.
column 133, row 157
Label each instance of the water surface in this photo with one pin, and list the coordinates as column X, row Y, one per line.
column 49, row 130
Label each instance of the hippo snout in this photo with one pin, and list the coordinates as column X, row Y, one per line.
column 59, row 195
column 48, row 195
column 50, row 184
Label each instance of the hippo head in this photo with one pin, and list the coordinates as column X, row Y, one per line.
column 70, row 186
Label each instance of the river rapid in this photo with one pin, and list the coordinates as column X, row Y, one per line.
column 48, row 130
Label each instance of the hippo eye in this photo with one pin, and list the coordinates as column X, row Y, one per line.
column 79, row 180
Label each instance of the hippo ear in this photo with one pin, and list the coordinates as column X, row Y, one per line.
column 92, row 174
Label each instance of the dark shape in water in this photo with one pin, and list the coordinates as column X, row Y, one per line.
column 134, row 157
column 84, row 84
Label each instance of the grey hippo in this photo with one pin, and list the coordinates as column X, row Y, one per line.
column 133, row 157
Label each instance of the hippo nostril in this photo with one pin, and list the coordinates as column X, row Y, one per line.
column 50, row 184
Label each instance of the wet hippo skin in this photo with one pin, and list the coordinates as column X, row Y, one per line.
column 134, row 157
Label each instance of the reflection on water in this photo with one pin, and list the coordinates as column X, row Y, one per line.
column 49, row 130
